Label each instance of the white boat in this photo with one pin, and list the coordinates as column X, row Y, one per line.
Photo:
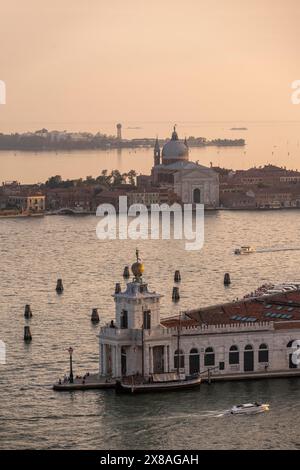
column 244, row 250
column 250, row 408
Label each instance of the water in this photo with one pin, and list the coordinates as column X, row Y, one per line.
column 34, row 253
column 267, row 142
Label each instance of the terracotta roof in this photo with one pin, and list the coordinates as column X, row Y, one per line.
column 282, row 309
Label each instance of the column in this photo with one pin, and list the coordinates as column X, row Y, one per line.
column 150, row 360
column 166, row 361
column 118, row 360
column 100, row 359
column 113, row 361
column 104, row 359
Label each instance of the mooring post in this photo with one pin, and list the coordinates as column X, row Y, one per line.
column 227, row 280
column 175, row 294
column 95, row 316
column 126, row 273
column 27, row 334
column 177, row 276
column 27, row 311
column 59, row 286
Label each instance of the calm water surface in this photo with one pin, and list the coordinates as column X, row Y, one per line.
column 34, row 253
column 266, row 142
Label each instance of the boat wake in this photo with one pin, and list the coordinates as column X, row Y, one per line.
column 274, row 249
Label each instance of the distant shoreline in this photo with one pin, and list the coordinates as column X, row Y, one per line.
column 123, row 145
column 44, row 140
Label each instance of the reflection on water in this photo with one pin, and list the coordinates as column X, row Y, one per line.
column 34, row 253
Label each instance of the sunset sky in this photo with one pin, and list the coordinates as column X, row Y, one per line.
column 75, row 61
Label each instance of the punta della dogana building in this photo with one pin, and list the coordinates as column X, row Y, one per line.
column 251, row 338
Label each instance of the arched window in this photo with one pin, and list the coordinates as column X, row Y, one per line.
column 263, row 353
column 209, row 357
column 194, row 360
column 248, row 347
column 234, row 355
column 292, row 364
column 179, row 359
column 197, row 196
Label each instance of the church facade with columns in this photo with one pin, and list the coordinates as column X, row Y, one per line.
column 193, row 183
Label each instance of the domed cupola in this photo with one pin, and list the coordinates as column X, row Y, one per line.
column 174, row 150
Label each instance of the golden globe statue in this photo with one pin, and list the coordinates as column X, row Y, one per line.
column 138, row 267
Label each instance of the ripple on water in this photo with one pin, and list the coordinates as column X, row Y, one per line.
column 34, row 255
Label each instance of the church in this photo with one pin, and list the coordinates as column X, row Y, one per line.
column 191, row 182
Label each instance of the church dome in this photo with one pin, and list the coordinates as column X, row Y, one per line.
column 175, row 149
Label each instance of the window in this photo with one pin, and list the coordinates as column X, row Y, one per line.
column 209, row 357
column 194, row 360
column 147, row 320
column 263, row 353
column 197, row 196
column 124, row 319
column 179, row 359
column 234, row 355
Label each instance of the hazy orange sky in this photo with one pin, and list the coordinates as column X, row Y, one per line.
column 137, row 60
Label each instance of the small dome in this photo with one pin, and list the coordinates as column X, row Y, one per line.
column 175, row 149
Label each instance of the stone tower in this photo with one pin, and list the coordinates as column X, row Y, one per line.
column 119, row 131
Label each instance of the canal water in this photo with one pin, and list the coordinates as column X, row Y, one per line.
column 35, row 252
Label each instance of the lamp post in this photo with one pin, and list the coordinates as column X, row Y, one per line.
column 71, row 365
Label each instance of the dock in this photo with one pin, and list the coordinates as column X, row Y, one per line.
column 90, row 382
column 278, row 374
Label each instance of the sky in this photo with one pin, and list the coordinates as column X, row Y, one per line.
column 75, row 62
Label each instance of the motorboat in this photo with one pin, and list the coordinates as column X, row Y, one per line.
column 158, row 383
column 250, row 408
column 244, row 250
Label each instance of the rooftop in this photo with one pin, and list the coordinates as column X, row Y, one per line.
column 283, row 309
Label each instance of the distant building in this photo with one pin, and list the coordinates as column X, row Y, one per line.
column 152, row 196
column 144, row 181
column 268, row 174
column 193, row 183
column 34, row 203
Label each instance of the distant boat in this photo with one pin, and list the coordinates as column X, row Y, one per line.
column 238, row 128
column 244, row 250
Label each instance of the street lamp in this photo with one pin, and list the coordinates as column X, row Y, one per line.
column 71, row 365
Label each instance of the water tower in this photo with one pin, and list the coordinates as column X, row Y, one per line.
column 119, row 131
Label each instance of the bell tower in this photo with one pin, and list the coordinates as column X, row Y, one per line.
column 137, row 307
column 156, row 153
column 126, row 344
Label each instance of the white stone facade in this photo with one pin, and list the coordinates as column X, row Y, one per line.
column 139, row 343
column 201, row 179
